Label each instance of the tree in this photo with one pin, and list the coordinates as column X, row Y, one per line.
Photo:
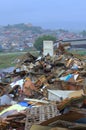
column 39, row 41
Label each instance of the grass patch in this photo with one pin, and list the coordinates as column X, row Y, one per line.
column 80, row 52
column 7, row 59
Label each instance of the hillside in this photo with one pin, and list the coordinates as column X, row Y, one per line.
column 21, row 37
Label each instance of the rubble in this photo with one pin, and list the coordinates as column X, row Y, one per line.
column 40, row 86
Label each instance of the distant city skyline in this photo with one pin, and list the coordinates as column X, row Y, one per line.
column 49, row 14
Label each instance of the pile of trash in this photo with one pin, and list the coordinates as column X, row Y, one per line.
column 45, row 92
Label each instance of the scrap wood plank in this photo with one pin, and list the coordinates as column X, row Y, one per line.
column 70, row 116
column 68, row 124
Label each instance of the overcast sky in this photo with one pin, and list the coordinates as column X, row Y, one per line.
column 53, row 14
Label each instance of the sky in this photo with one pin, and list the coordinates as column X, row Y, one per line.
column 49, row 14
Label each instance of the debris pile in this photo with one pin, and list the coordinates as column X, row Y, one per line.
column 46, row 92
